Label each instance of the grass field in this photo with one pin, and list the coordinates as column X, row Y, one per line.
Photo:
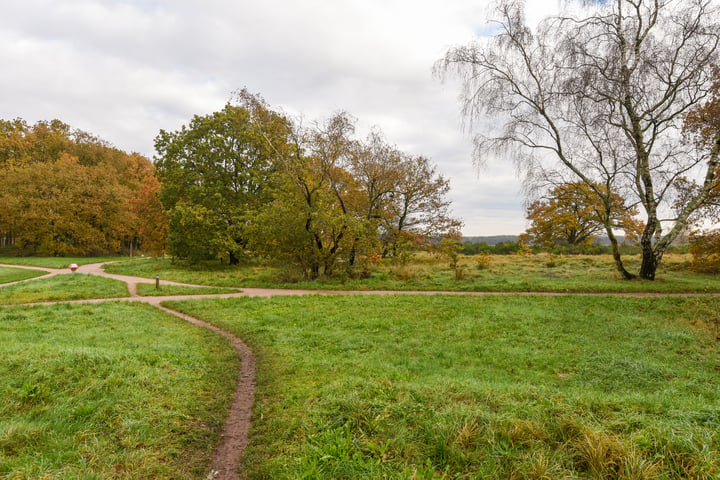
column 479, row 273
column 8, row 275
column 62, row 288
column 57, row 262
column 116, row 390
column 395, row 387
column 480, row 387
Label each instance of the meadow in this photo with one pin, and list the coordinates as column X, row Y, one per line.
column 480, row 387
column 115, row 390
column 8, row 275
column 484, row 273
column 75, row 286
column 390, row 386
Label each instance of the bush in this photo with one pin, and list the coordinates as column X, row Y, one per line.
column 483, row 261
column 705, row 250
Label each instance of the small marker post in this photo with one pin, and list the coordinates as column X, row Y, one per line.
column 157, row 282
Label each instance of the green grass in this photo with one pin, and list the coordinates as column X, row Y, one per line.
column 8, row 275
column 149, row 290
column 580, row 274
column 115, row 390
column 480, row 387
column 62, row 288
column 57, row 262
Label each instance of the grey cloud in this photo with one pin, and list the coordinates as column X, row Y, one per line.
column 126, row 69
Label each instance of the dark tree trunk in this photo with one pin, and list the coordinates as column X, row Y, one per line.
column 650, row 259
column 649, row 263
column 314, row 271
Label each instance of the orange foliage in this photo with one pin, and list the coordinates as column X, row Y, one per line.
column 574, row 213
column 65, row 192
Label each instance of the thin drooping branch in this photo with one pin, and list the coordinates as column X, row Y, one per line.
column 599, row 96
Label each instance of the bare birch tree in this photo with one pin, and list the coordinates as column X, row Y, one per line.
column 599, row 95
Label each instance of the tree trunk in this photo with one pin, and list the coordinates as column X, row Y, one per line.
column 649, row 258
column 616, row 255
column 649, row 264
column 315, row 271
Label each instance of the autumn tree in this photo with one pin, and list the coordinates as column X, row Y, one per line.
column 64, row 191
column 403, row 195
column 339, row 201
column 313, row 221
column 598, row 95
column 418, row 205
column 702, row 128
column 151, row 227
column 573, row 214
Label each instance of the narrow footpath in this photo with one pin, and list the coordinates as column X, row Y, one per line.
column 225, row 464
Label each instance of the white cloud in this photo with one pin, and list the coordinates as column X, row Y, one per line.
column 124, row 69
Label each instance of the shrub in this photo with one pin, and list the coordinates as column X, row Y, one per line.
column 483, row 261
column 705, row 250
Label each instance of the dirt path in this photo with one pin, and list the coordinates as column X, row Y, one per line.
column 235, row 436
column 226, row 458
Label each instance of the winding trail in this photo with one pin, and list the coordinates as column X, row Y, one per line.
column 234, row 439
column 228, row 454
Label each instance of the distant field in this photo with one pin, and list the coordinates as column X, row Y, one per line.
column 61, row 288
column 501, row 273
column 57, row 262
column 106, row 391
column 480, row 387
column 8, row 275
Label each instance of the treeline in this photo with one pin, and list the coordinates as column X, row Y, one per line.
column 243, row 183
column 249, row 181
column 512, row 248
column 66, row 192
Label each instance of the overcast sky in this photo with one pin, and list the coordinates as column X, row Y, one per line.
column 124, row 69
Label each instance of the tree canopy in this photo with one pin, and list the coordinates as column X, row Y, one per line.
column 66, row 192
column 599, row 95
column 214, row 174
column 250, row 180
column 573, row 214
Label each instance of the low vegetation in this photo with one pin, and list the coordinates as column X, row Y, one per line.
column 63, row 288
column 392, row 386
column 480, row 387
column 8, row 275
column 56, row 262
column 511, row 273
column 84, row 395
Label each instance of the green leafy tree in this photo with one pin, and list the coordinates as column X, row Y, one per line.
column 215, row 172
